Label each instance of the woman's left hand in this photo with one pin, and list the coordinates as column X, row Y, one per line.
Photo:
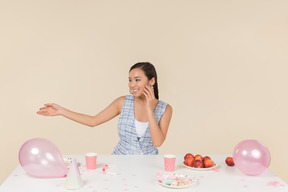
column 151, row 101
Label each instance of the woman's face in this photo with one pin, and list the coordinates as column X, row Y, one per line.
column 137, row 82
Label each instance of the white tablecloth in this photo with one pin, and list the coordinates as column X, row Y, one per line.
column 138, row 173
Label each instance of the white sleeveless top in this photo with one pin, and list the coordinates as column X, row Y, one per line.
column 141, row 128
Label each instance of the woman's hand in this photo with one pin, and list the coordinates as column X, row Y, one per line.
column 114, row 109
column 151, row 101
column 50, row 109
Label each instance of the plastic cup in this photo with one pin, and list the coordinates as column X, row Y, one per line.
column 169, row 162
column 91, row 160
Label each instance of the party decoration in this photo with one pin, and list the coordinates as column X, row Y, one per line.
column 104, row 168
column 40, row 158
column 251, row 157
column 73, row 180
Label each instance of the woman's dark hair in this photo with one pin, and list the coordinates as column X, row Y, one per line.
column 150, row 72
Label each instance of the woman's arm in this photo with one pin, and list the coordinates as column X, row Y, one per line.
column 158, row 132
column 105, row 115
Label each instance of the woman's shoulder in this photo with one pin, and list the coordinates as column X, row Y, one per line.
column 169, row 108
column 165, row 108
column 120, row 100
column 166, row 105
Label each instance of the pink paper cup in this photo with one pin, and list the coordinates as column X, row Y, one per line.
column 91, row 160
column 169, row 162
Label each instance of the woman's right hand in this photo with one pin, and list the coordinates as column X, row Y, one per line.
column 50, row 109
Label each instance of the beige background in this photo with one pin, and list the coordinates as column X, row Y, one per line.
column 222, row 66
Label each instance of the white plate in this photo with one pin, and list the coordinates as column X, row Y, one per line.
column 201, row 169
column 183, row 176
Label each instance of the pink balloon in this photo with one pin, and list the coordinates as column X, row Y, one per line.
column 41, row 158
column 251, row 157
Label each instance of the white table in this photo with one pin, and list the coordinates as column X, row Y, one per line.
column 138, row 173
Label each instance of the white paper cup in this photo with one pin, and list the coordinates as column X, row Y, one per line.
column 91, row 159
column 169, row 162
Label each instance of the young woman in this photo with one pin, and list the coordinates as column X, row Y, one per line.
column 143, row 121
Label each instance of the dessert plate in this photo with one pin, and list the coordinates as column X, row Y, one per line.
column 176, row 180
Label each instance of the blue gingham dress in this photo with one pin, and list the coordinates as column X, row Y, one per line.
column 129, row 143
